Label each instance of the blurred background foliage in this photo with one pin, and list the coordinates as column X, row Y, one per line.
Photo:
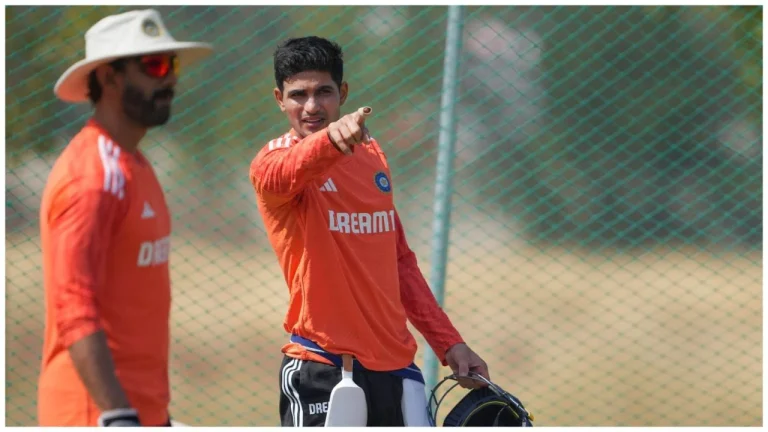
column 570, row 98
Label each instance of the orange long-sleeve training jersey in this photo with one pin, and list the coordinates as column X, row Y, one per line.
column 105, row 231
column 353, row 281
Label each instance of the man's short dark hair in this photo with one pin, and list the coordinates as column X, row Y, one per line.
column 310, row 53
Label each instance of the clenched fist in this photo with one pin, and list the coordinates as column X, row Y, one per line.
column 350, row 130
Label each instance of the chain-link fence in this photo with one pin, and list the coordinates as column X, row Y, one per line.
column 606, row 234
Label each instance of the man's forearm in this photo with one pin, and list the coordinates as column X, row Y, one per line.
column 93, row 361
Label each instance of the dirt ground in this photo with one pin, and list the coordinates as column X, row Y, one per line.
column 656, row 338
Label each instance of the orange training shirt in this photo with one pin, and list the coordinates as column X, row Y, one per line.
column 353, row 281
column 105, row 231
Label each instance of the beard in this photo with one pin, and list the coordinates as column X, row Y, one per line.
column 146, row 112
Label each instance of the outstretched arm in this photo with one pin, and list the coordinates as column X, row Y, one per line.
column 284, row 168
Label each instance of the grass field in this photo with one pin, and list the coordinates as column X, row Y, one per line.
column 659, row 338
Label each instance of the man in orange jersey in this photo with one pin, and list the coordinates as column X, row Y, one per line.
column 324, row 192
column 105, row 231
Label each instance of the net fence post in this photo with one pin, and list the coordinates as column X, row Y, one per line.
column 444, row 175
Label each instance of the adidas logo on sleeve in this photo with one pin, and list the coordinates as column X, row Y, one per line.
column 328, row 186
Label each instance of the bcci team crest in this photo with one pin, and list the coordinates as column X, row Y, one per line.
column 150, row 28
column 382, row 182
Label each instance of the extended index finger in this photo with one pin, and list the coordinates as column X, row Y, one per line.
column 362, row 113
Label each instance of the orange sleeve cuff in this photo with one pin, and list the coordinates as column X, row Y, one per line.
column 76, row 330
column 76, row 312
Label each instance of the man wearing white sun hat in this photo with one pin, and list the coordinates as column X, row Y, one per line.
column 105, row 231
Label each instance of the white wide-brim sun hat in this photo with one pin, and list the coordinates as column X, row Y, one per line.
column 128, row 34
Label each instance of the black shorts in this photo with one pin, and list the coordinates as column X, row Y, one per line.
column 306, row 386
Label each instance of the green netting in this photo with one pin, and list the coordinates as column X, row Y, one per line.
column 606, row 235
